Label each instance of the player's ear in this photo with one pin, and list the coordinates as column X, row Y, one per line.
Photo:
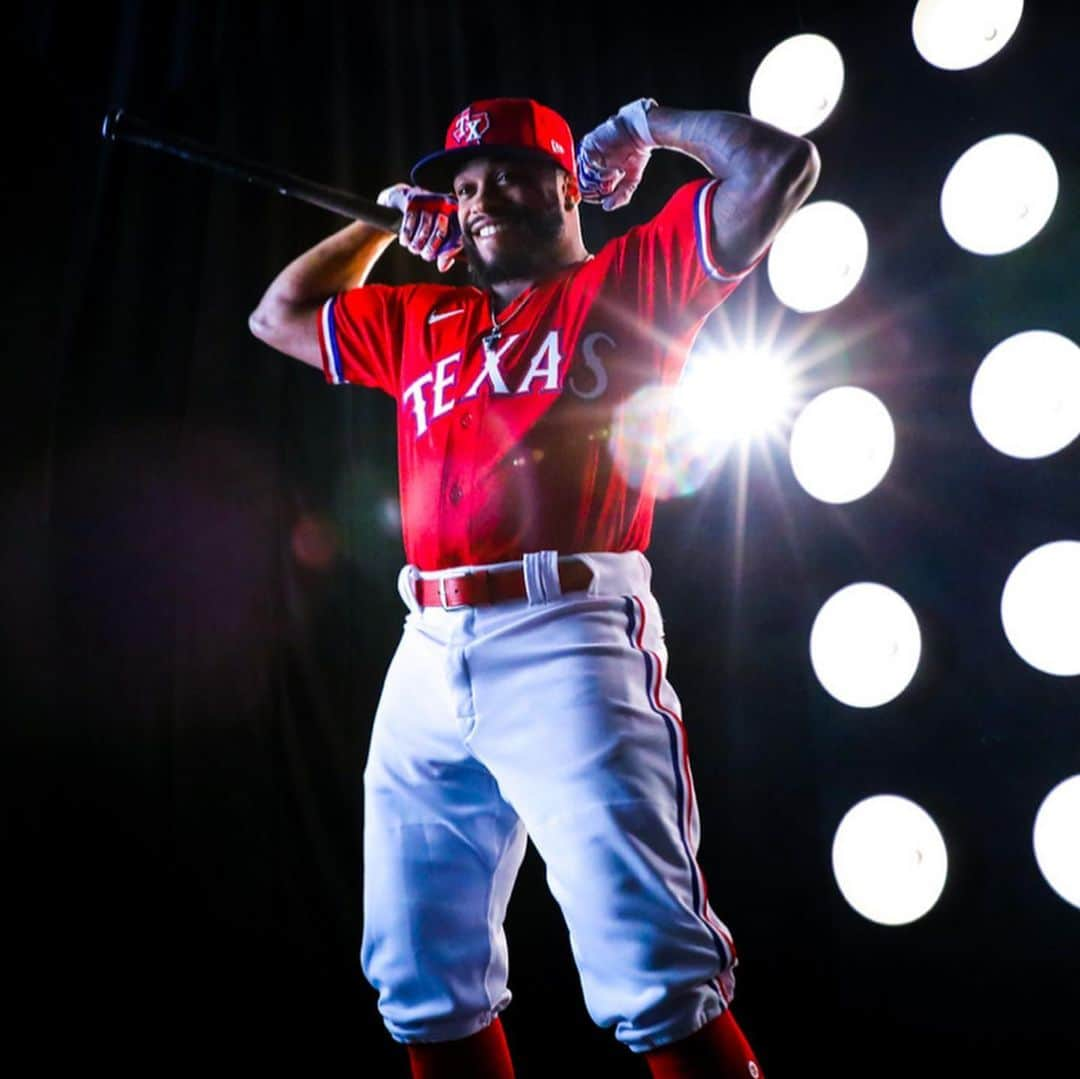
column 572, row 195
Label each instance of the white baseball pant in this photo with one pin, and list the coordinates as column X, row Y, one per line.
column 551, row 717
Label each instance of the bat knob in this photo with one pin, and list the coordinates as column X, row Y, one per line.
column 111, row 123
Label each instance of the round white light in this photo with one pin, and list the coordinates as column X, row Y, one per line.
column 1056, row 838
column 889, row 859
column 842, row 444
column 818, row 256
column 865, row 645
column 798, row 83
column 1040, row 608
column 999, row 194
column 1025, row 397
column 955, row 34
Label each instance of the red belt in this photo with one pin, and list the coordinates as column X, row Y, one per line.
column 480, row 587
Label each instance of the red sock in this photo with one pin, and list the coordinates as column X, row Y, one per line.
column 718, row 1050
column 483, row 1055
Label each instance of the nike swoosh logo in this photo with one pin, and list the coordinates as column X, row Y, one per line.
column 444, row 314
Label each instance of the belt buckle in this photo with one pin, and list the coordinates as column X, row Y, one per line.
column 447, row 606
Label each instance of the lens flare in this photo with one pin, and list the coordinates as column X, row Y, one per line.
column 676, row 436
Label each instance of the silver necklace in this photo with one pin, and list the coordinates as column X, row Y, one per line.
column 493, row 336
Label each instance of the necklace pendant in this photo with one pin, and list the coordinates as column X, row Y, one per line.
column 491, row 339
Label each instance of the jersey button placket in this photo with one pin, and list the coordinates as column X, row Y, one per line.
column 455, row 493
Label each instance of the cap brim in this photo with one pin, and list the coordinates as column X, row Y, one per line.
column 436, row 172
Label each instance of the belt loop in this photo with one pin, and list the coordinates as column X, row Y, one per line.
column 406, row 584
column 541, row 570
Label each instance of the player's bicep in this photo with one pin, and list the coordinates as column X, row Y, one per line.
column 749, row 208
column 291, row 329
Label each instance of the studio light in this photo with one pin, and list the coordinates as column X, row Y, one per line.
column 999, row 194
column 956, row 34
column 889, row 859
column 818, row 256
column 1056, row 838
column 865, row 645
column 1040, row 608
column 842, row 444
column 1025, row 397
column 798, row 83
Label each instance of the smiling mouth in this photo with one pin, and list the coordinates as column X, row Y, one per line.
column 492, row 229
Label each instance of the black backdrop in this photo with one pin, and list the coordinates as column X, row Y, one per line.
column 198, row 554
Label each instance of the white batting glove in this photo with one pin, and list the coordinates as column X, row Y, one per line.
column 429, row 225
column 612, row 157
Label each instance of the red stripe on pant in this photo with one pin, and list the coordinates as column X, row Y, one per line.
column 653, row 692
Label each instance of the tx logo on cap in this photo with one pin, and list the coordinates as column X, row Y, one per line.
column 469, row 127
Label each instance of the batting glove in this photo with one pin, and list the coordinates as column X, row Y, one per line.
column 612, row 157
column 429, row 223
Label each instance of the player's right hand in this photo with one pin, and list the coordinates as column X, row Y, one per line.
column 429, row 226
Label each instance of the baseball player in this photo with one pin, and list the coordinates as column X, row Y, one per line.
column 528, row 695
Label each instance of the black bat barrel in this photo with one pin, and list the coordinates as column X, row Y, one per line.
column 121, row 126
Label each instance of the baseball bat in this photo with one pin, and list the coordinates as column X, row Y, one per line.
column 120, row 126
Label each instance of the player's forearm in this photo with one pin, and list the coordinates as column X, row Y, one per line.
column 286, row 316
column 767, row 174
column 730, row 144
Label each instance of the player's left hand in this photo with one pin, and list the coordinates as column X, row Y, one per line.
column 429, row 223
column 612, row 157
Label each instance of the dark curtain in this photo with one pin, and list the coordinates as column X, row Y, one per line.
column 200, row 548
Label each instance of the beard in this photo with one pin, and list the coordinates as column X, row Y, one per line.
column 537, row 254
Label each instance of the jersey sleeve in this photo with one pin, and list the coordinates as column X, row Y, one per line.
column 360, row 334
column 666, row 269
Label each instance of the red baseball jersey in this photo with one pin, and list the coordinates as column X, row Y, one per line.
column 505, row 448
